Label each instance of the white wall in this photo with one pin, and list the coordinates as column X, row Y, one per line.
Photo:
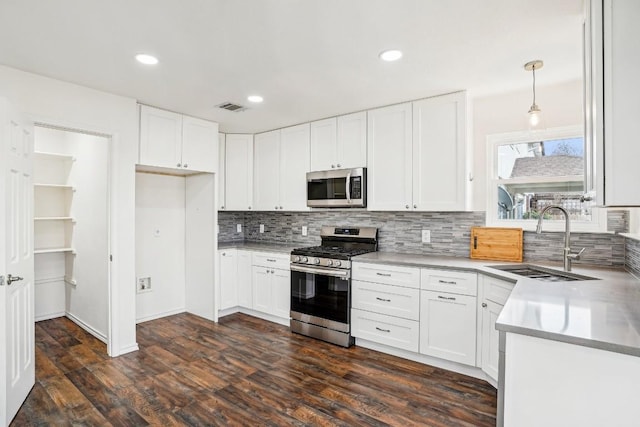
column 160, row 244
column 561, row 106
column 86, row 301
column 64, row 104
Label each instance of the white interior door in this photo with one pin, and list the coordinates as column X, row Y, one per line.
column 17, row 365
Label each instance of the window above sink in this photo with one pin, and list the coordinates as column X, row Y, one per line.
column 533, row 169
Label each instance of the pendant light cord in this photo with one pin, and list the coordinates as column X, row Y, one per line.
column 533, row 69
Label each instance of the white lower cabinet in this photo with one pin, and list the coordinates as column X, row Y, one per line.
column 245, row 290
column 228, row 295
column 387, row 330
column 386, row 305
column 448, row 326
column 271, row 284
column 495, row 293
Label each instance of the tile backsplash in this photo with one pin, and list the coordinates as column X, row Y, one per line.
column 632, row 256
column 401, row 232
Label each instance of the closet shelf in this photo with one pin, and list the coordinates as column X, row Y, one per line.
column 54, row 218
column 42, row 185
column 54, row 250
column 56, row 156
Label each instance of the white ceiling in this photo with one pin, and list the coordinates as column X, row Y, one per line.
column 310, row 59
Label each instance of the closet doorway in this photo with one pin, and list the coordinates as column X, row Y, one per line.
column 71, row 227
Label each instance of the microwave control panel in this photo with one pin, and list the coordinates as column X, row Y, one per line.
column 356, row 187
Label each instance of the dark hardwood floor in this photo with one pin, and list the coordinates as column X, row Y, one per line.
column 242, row 371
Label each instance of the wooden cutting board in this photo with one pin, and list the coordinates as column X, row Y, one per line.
column 496, row 243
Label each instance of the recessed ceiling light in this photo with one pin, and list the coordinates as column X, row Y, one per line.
column 255, row 98
column 391, row 55
column 146, row 59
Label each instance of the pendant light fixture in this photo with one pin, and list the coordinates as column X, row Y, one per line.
column 535, row 114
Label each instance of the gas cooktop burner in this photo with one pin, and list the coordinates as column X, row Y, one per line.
column 334, row 252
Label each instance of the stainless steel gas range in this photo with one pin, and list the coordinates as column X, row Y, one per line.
column 321, row 283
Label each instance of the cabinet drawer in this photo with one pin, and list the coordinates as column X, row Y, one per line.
column 269, row 259
column 386, row 299
column 497, row 290
column 387, row 330
column 387, row 274
column 456, row 282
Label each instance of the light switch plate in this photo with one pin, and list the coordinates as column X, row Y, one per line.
column 238, row 228
column 426, row 236
column 304, row 230
column 262, row 228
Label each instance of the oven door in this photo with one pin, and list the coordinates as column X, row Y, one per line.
column 321, row 296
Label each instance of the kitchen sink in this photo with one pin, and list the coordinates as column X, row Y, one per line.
column 541, row 273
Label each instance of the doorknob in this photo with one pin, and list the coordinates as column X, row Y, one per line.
column 11, row 279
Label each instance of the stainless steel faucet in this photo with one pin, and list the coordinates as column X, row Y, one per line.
column 567, row 255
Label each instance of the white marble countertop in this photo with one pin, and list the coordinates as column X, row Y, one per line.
column 603, row 314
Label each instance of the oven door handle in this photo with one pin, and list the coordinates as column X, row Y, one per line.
column 343, row 274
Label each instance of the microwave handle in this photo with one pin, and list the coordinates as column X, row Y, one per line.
column 348, row 189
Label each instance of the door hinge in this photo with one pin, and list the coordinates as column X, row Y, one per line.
column 110, row 257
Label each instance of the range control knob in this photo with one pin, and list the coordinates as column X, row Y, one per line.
column 337, row 263
column 316, row 261
column 305, row 259
column 329, row 262
column 296, row 258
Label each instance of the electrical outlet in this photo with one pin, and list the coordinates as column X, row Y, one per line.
column 238, row 228
column 304, row 230
column 262, row 228
column 426, row 236
column 144, row 284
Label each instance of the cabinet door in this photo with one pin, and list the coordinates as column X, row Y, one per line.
column 160, row 138
column 294, row 165
column 221, row 171
column 448, row 326
column 323, row 144
column 228, row 279
column 261, row 283
column 199, row 145
column 439, row 153
column 281, row 293
column 352, row 140
column 239, row 172
column 389, row 158
column 490, row 355
column 245, row 290
column 266, row 176
column 621, row 107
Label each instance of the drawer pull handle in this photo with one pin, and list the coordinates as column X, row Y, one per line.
column 384, row 274
column 271, row 260
column 382, row 299
column 446, row 282
column 447, row 298
column 383, row 330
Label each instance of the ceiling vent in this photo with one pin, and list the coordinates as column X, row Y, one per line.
column 230, row 106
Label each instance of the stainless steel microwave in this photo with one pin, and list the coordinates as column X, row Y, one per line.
column 337, row 188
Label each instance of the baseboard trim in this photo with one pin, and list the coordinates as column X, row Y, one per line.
column 49, row 316
column 160, row 315
column 99, row 335
column 459, row 368
column 128, row 349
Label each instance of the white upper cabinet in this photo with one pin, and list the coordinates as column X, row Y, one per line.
column 417, row 155
column 439, row 153
column 199, row 145
column 238, row 172
column 612, row 99
column 294, row 165
column 339, row 142
column 352, row 141
column 173, row 141
column 389, row 158
column 281, row 163
column 267, row 171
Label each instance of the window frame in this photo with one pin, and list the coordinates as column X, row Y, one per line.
column 598, row 223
